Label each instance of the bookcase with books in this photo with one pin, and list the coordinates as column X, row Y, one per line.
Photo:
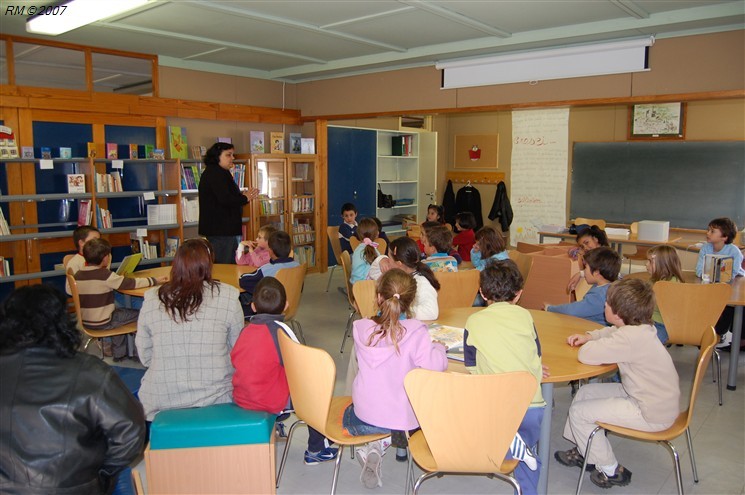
column 397, row 169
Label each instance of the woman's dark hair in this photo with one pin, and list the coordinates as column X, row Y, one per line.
column 596, row 232
column 405, row 250
column 192, row 268
column 212, row 157
column 490, row 242
column 36, row 316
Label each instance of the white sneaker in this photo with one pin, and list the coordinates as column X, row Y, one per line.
column 726, row 341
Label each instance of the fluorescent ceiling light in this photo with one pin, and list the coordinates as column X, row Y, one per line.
column 614, row 57
column 64, row 17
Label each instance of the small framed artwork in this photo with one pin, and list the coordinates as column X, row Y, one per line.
column 476, row 151
column 657, row 121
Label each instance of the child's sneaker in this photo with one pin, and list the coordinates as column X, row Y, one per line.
column 327, row 454
column 621, row 478
column 401, row 455
column 372, row 468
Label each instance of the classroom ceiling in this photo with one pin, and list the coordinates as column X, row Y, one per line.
column 304, row 40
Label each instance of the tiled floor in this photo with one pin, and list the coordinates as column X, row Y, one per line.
column 718, row 432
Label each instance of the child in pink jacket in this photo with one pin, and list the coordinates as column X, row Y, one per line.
column 258, row 251
column 387, row 348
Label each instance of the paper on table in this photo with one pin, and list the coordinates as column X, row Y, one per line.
column 452, row 337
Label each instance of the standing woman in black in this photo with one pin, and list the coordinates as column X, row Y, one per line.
column 221, row 203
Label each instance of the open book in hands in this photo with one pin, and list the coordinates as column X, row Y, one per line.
column 452, row 337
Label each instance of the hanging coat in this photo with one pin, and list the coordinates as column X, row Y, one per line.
column 469, row 199
column 501, row 208
column 448, row 203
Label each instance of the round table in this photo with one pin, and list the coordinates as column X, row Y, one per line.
column 561, row 359
column 228, row 274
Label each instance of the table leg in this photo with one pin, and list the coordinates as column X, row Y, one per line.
column 734, row 354
column 544, row 442
column 540, row 238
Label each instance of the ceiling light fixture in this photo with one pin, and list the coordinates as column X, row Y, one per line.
column 61, row 18
column 613, row 57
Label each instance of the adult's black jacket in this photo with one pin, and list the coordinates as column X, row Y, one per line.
column 469, row 199
column 220, row 203
column 501, row 208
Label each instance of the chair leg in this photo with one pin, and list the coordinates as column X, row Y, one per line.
column 717, row 361
column 347, row 331
column 693, row 457
column 337, row 464
column 424, row 477
column 331, row 273
column 287, row 450
column 409, row 471
column 587, row 456
column 298, row 328
column 512, row 481
column 676, row 460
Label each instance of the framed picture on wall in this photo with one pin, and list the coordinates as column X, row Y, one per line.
column 478, row 152
column 657, row 121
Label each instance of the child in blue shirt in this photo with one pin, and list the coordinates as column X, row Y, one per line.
column 489, row 245
column 601, row 268
column 348, row 228
column 719, row 237
column 438, row 242
column 366, row 252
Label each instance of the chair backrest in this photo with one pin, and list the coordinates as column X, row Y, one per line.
column 582, row 288
column 444, row 404
column 311, row 374
column 354, row 242
column 333, row 233
column 525, row 247
column 707, row 343
column 457, row 289
column 524, row 263
column 72, row 283
column 346, row 264
column 689, row 310
column 590, row 221
column 292, row 279
column 365, row 298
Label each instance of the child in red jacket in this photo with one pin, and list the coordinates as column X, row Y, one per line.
column 465, row 237
column 259, row 381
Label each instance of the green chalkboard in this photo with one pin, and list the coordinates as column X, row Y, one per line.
column 685, row 182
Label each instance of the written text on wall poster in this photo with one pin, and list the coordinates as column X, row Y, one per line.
column 540, row 151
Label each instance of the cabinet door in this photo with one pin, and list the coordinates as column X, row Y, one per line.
column 271, row 182
column 303, row 209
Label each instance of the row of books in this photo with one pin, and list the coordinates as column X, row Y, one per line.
column 164, row 214
column 103, row 218
column 239, row 174
column 305, row 254
column 302, row 233
column 302, row 204
column 190, row 209
column 402, row 145
column 104, row 182
column 297, row 144
column 190, row 175
column 84, row 212
column 4, row 267
column 4, row 228
column 271, row 206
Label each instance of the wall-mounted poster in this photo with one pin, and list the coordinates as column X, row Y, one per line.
column 476, row 151
column 657, row 121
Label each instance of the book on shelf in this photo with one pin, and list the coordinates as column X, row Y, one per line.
column 103, row 218
column 133, row 151
column 269, row 206
column 224, row 140
column 4, row 267
column 278, row 142
column 91, row 149
column 256, row 139
column 158, row 154
column 84, row 212
column 75, row 183
column 65, row 152
column 305, row 254
column 27, row 152
column 198, row 152
column 308, row 146
column 171, row 246
column 8, row 145
column 112, row 151
column 302, row 204
column 145, row 150
column 149, row 251
column 109, row 182
column 402, row 145
column 164, row 214
column 46, row 153
column 4, row 228
column 136, row 243
column 190, row 175
column 177, row 142
column 295, row 146
column 239, row 174
column 190, row 209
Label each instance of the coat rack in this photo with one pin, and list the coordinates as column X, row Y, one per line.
column 474, row 177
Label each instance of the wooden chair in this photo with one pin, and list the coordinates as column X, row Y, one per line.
column 66, row 260
column 292, row 279
column 311, row 375
column 346, row 264
column 91, row 333
column 365, row 298
column 525, row 247
column 690, row 310
column 137, row 482
column 333, row 234
column 382, row 245
column 524, row 263
column 448, row 442
column 457, row 289
column 590, row 221
column 681, row 424
column 582, row 288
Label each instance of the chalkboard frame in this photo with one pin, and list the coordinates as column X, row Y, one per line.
column 627, row 181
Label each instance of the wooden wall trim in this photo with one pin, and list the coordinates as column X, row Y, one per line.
column 630, row 100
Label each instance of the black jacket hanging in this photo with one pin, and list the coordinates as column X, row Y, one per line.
column 469, row 199
column 448, row 203
column 501, row 208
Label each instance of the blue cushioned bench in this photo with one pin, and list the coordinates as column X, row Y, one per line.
column 214, row 449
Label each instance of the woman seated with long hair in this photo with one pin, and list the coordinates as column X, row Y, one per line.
column 186, row 330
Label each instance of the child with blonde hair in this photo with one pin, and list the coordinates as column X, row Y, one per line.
column 366, row 252
column 387, row 348
column 663, row 263
column 258, row 250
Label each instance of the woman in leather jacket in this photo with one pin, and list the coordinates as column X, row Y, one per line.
column 68, row 424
